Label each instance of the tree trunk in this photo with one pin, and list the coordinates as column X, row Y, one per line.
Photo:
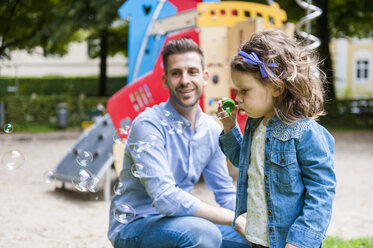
column 323, row 33
column 103, row 57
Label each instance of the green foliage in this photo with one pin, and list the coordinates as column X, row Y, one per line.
column 42, row 110
column 337, row 242
column 61, row 86
column 28, row 24
column 348, row 114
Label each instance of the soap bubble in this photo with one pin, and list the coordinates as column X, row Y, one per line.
column 93, row 184
column 179, row 126
column 167, row 113
column 151, row 140
column 138, row 170
column 84, row 158
column 124, row 213
column 12, row 159
column 119, row 188
column 82, row 180
column 138, row 147
column 120, row 136
column 8, row 128
column 49, row 176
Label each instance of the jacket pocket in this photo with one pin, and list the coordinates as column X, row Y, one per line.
column 285, row 167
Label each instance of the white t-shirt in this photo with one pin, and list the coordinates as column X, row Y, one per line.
column 256, row 230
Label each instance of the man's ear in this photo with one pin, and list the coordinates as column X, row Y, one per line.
column 206, row 77
column 164, row 81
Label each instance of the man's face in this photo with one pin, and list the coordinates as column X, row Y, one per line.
column 185, row 79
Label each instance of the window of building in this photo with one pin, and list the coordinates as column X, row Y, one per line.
column 362, row 70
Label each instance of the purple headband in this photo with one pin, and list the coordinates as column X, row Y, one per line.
column 253, row 59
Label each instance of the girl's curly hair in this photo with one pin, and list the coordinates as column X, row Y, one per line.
column 297, row 76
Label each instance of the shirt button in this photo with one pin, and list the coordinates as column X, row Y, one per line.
column 267, row 194
column 266, row 176
column 270, row 122
column 266, row 158
column 282, row 160
column 269, row 212
column 267, row 140
column 270, row 229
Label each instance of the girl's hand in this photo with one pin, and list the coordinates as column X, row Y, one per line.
column 228, row 122
column 288, row 245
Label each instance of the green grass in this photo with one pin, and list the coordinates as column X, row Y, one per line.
column 337, row 242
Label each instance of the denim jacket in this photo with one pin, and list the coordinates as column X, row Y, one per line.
column 298, row 175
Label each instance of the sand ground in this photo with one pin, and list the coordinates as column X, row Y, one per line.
column 36, row 214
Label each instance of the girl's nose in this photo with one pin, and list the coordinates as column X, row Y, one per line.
column 237, row 98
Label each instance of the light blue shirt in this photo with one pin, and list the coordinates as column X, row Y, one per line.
column 172, row 165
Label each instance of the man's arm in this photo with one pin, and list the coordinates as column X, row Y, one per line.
column 221, row 216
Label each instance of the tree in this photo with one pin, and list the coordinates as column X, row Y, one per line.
column 53, row 24
column 24, row 25
column 107, row 33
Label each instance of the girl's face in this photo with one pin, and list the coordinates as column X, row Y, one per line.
column 253, row 97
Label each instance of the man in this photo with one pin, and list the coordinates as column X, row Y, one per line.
column 156, row 209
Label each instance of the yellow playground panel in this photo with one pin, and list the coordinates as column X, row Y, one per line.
column 231, row 12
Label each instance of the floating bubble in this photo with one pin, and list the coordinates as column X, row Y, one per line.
column 84, row 158
column 138, row 170
column 138, row 147
column 82, row 180
column 49, row 176
column 167, row 113
column 119, row 188
column 93, row 184
column 171, row 130
column 120, row 135
column 8, row 128
column 12, row 159
column 151, row 140
column 124, row 213
column 179, row 126
column 164, row 122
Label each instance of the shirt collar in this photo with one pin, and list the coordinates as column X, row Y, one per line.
column 176, row 116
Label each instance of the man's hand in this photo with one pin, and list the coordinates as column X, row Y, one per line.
column 288, row 245
column 240, row 225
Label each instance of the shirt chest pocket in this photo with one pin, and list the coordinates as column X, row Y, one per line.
column 284, row 166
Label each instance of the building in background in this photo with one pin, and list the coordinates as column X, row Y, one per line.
column 76, row 63
column 353, row 67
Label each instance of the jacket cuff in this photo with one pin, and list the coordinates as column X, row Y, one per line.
column 304, row 237
column 230, row 139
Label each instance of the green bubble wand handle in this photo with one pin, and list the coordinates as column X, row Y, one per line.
column 229, row 105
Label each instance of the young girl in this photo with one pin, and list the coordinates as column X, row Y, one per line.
column 286, row 181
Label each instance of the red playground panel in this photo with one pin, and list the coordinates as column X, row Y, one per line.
column 146, row 91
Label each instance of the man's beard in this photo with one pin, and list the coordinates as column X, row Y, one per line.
column 179, row 102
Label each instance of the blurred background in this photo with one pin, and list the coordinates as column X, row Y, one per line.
column 62, row 61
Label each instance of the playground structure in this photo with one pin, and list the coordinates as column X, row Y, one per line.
column 218, row 27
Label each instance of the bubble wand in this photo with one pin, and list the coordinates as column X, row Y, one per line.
column 229, row 105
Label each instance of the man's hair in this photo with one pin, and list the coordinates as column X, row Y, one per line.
column 182, row 45
column 297, row 76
